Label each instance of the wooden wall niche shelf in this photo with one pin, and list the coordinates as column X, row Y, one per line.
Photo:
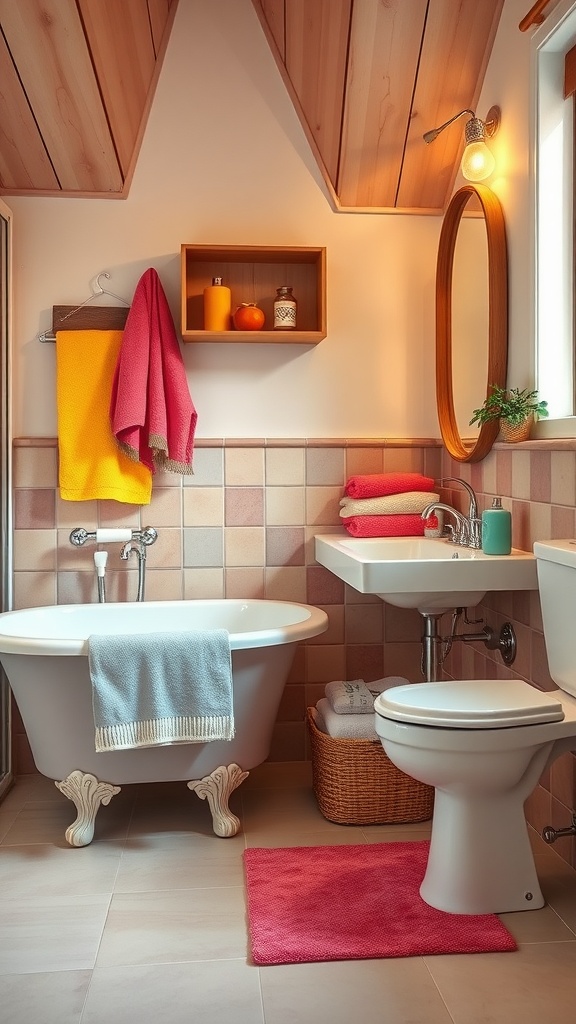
column 253, row 273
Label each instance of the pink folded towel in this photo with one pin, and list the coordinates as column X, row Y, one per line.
column 152, row 415
column 385, row 526
column 374, row 485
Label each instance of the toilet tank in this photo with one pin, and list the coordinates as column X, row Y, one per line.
column 556, row 566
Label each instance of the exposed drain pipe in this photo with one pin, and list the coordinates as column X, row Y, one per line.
column 550, row 835
column 435, row 648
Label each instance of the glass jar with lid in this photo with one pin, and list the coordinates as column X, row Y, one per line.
column 285, row 307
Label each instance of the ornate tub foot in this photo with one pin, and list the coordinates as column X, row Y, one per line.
column 87, row 793
column 216, row 788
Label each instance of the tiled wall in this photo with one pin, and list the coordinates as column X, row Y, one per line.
column 243, row 526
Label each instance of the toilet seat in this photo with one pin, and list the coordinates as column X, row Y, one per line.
column 469, row 704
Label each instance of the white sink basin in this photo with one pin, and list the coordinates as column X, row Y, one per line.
column 420, row 572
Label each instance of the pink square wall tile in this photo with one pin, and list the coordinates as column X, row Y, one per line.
column 363, row 461
column 364, row 624
column 403, row 659
column 244, row 582
column 163, row 585
column 364, row 661
column 165, row 508
column 205, row 583
column 34, row 509
column 563, row 478
column 244, row 506
column 540, row 471
column 504, row 472
column 116, row 513
column 562, row 524
column 521, row 532
column 323, row 587
column 285, row 467
column 285, row 545
column 244, row 467
column 521, row 475
column 325, row 466
column 285, row 583
column 324, row 664
column 323, row 506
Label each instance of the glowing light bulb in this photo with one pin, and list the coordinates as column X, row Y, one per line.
column 477, row 162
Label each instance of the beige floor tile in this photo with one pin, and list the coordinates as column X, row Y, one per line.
column 30, row 787
column 210, row 993
column 48, row 998
column 534, row 985
column 180, row 862
column 342, row 837
column 396, row 834
column 47, row 821
column 181, row 924
column 285, row 811
column 47, row 870
column 177, row 812
column 542, row 925
column 279, row 775
column 45, row 934
column 371, row 991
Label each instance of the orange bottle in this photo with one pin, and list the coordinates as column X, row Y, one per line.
column 217, row 306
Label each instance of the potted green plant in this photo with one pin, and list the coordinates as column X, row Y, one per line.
column 514, row 409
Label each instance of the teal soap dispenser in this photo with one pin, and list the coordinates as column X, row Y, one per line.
column 496, row 530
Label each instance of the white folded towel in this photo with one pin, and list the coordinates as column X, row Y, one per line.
column 344, row 727
column 356, row 697
column 389, row 504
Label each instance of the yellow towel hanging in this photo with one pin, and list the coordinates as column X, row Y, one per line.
column 91, row 465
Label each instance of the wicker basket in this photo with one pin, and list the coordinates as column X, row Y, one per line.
column 355, row 783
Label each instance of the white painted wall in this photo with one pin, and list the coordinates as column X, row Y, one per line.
column 224, row 160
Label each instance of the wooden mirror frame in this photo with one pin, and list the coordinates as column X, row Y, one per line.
column 497, row 318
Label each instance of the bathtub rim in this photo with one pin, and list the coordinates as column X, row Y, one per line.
column 313, row 624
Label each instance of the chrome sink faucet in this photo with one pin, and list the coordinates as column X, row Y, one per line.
column 474, row 532
column 460, row 532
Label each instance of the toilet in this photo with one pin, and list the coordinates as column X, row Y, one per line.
column 483, row 745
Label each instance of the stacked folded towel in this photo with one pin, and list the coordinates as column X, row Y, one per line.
column 386, row 504
column 347, row 709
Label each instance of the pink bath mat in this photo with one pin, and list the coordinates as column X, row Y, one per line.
column 361, row 902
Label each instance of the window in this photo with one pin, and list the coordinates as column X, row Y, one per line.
column 555, row 174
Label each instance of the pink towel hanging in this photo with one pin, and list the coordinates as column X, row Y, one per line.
column 152, row 414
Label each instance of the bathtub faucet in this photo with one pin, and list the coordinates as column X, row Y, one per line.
column 138, row 545
column 132, row 540
column 79, row 536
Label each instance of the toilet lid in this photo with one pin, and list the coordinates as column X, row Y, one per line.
column 470, row 704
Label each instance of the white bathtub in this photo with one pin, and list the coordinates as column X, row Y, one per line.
column 44, row 654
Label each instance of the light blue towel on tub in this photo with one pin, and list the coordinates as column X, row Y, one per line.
column 158, row 688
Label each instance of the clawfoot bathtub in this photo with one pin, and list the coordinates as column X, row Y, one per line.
column 44, row 654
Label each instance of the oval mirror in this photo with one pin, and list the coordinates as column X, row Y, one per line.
column 471, row 318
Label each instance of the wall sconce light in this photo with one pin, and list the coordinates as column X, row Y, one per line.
column 477, row 161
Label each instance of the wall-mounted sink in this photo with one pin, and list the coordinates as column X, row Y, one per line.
column 424, row 573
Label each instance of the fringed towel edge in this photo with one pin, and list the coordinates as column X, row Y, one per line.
column 158, row 731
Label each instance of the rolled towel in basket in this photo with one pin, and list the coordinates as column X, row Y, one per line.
column 349, row 697
column 344, row 727
column 356, row 697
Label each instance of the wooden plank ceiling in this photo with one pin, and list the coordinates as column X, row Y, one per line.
column 77, row 78
column 369, row 77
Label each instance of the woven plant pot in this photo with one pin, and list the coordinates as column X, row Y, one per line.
column 514, row 432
